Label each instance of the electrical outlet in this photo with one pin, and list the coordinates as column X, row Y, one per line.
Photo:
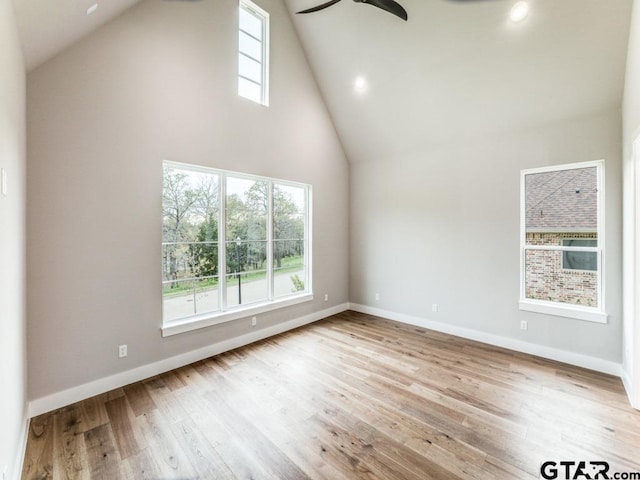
column 254, row 321
column 326, row 297
column 524, row 325
column 377, row 296
column 434, row 307
column 122, row 351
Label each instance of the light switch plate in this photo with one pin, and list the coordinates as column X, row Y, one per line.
column 3, row 182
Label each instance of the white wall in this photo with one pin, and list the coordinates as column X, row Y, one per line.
column 631, row 132
column 442, row 226
column 158, row 82
column 12, row 246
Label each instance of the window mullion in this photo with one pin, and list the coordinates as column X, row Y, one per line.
column 270, row 282
column 265, row 61
column 250, row 57
column 600, row 302
column 561, row 248
column 250, row 34
column 601, row 238
column 222, row 249
column 250, row 80
column 307, row 239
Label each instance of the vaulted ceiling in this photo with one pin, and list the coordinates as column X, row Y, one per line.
column 48, row 26
column 457, row 70
column 454, row 71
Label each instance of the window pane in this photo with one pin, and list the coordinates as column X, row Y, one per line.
column 250, row 23
column 190, row 297
column 190, row 241
column 178, row 300
column 249, row 90
column 250, row 46
column 204, row 259
column 288, row 198
column 246, row 247
column 580, row 242
column 206, row 295
column 580, row 260
column 564, row 201
column 289, row 272
column 176, row 262
column 250, row 69
column 247, row 272
column 246, row 289
column 246, row 256
column 247, row 208
column 189, row 201
column 545, row 279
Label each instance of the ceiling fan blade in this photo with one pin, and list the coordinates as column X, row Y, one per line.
column 390, row 6
column 319, row 7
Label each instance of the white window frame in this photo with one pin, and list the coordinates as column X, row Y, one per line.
column 226, row 314
column 263, row 16
column 592, row 314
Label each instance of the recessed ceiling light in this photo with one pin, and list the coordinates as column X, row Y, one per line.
column 92, row 9
column 360, row 84
column 519, row 11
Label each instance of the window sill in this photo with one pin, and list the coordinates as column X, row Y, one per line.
column 210, row 319
column 559, row 310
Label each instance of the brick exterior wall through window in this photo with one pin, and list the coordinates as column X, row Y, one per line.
column 546, row 279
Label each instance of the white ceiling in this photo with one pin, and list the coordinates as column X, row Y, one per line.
column 460, row 70
column 454, row 71
column 48, row 26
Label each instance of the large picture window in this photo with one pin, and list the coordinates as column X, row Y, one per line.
column 562, row 241
column 232, row 245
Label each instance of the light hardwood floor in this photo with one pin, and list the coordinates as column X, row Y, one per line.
column 352, row 396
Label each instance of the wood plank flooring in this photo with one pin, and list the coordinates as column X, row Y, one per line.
column 352, row 396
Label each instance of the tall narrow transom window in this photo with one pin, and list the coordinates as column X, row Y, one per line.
column 562, row 241
column 253, row 52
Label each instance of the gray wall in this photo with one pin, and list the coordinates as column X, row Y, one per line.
column 442, row 226
column 12, row 245
column 631, row 131
column 158, row 82
column 631, row 100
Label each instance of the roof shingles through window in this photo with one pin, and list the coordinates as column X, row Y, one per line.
column 562, row 201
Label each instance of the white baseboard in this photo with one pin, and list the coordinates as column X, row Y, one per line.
column 60, row 399
column 16, row 469
column 634, row 396
column 572, row 358
column 626, row 381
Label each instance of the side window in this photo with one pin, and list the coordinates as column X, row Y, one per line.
column 562, row 241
